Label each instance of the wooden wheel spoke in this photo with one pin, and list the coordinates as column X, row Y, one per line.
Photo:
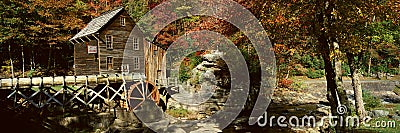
column 143, row 90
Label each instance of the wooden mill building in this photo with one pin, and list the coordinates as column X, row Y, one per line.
column 99, row 48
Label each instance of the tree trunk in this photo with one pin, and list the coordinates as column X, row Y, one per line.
column 49, row 60
column 335, row 91
column 369, row 65
column 355, row 79
column 54, row 64
column 341, row 92
column 32, row 59
column 329, row 49
column 11, row 61
column 23, row 60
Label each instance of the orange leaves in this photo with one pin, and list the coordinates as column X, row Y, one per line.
column 279, row 48
column 283, row 49
column 285, row 83
column 280, row 19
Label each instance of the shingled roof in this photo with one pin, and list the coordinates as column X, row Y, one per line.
column 95, row 25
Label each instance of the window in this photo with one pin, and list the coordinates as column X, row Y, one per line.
column 136, row 63
column 125, row 68
column 110, row 63
column 135, row 44
column 109, row 41
column 122, row 21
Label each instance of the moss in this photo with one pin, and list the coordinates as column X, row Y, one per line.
column 178, row 112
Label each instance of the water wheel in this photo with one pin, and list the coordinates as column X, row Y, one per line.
column 141, row 91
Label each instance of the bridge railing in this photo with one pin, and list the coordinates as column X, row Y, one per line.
column 70, row 80
column 166, row 82
column 69, row 91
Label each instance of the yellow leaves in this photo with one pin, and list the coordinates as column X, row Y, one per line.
column 359, row 12
column 291, row 51
column 34, row 28
column 334, row 13
column 44, row 13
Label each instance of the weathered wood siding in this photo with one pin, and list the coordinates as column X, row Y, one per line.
column 85, row 63
column 131, row 53
column 155, row 62
column 120, row 37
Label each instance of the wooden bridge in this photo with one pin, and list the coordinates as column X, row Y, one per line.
column 98, row 91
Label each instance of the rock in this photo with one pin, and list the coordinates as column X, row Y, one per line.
column 396, row 117
column 325, row 110
column 159, row 126
column 378, row 113
column 200, row 68
column 207, row 130
column 290, row 110
column 240, row 120
column 284, row 96
column 121, row 123
column 208, row 64
column 68, row 121
column 137, row 125
column 379, row 75
column 321, row 105
column 300, row 109
column 175, row 130
column 388, row 96
column 393, row 99
column 305, row 130
column 239, row 127
column 211, row 57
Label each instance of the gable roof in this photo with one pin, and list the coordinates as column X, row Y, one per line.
column 96, row 24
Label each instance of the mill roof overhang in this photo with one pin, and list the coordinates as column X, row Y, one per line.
column 93, row 28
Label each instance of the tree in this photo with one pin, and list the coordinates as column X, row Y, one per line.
column 40, row 27
column 300, row 23
column 12, row 28
column 358, row 21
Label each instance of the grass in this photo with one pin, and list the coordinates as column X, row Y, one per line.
column 373, row 123
column 379, row 121
column 178, row 112
column 181, row 113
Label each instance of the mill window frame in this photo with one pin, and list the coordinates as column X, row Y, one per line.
column 109, row 41
column 110, row 63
